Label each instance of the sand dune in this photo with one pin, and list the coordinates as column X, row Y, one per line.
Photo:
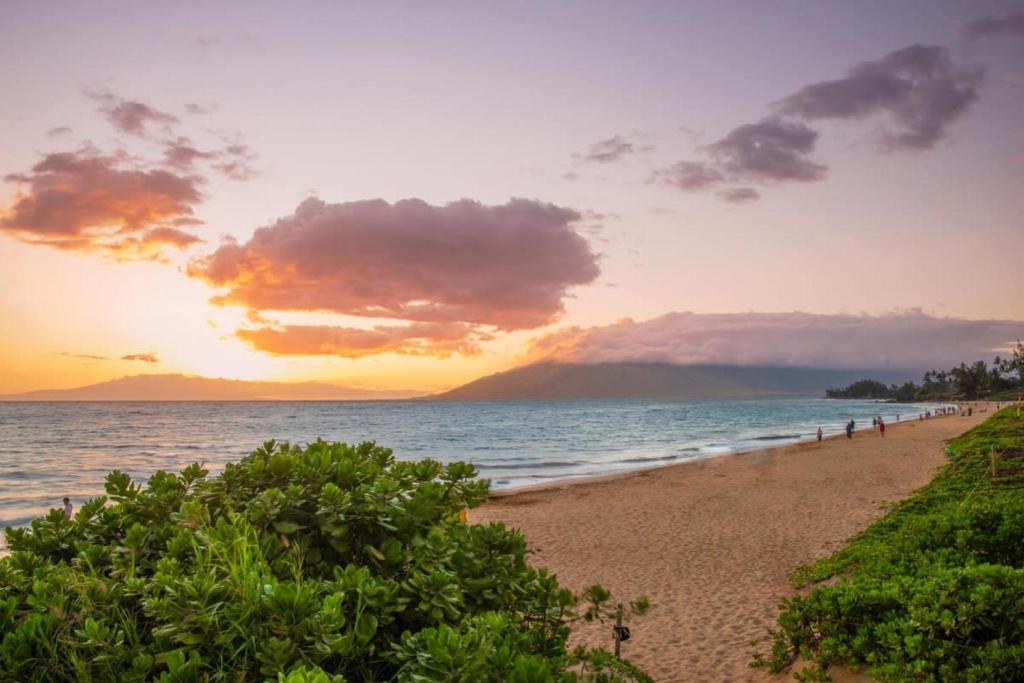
column 712, row 542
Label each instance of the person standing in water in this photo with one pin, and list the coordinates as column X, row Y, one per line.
column 819, row 434
column 68, row 508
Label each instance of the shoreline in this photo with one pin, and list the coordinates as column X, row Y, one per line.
column 711, row 541
column 625, row 473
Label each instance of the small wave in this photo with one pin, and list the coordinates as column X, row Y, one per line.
column 776, row 437
column 526, row 465
column 661, row 458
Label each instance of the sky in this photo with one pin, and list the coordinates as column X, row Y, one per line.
column 412, row 195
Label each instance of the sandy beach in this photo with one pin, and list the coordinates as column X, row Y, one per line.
column 711, row 542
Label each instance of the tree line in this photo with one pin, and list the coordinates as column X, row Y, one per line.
column 1004, row 378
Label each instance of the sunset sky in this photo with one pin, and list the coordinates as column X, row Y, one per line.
column 411, row 195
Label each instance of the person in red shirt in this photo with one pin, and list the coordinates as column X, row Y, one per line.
column 881, row 428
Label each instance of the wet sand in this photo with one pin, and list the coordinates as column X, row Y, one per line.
column 711, row 542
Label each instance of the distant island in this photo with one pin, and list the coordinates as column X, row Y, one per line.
column 638, row 380
column 174, row 387
column 1003, row 380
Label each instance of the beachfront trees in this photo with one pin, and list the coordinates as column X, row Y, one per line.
column 970, row 381
column 1015, row 363
column 1003, row 380
column 326, row 563
column 865, row 388
column 905, row 393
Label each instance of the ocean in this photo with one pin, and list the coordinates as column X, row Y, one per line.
column 51, row 450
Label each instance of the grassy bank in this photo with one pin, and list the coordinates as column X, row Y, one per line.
column 933, row 591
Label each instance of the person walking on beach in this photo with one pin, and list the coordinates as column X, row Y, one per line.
column 68, row 508
column 881, row 428
column 874, row 422
column 819, row 434
column 849, row 429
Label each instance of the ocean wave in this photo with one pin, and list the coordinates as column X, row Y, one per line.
column 526, row 465
column 653, row 458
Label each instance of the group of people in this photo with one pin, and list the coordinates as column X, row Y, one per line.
column 965, row 411
column 876, row 423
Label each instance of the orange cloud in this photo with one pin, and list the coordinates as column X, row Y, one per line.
column 463, row 264
column 417, row 339
column 86, row 201
column 144, row 357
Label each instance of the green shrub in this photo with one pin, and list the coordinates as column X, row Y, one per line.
column 933, row 591
column 304, row 565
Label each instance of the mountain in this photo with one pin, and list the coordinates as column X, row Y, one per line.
column 550, row 380
column 192, row 388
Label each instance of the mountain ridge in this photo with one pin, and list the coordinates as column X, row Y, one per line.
column 643, row 380
column 179, row 387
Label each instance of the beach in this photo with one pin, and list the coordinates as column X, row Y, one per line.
column 712, row 542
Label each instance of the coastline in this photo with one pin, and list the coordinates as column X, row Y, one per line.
column 582, row 479
column 711, row 541
column 736, row 444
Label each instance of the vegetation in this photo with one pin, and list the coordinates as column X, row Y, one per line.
column 873, row 389
column 307, row 565
column 1004, row 379
column 933, row 591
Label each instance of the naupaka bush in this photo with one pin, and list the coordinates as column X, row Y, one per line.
column 318, row 564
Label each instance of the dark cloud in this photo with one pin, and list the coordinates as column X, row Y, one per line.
column 769, row 151
column 83, row 356
column 142, row 357
column 85, row 201
column 59, row 131
column 507, row 266
column 606, row 151
column 738, row 195
column 1010, row 26
column 690, row 175
column 904, row 340
column 235, row 162
column 130, row 116
column 182, row 155
column 417, row 339
column 918, row 87
column 197, row 109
